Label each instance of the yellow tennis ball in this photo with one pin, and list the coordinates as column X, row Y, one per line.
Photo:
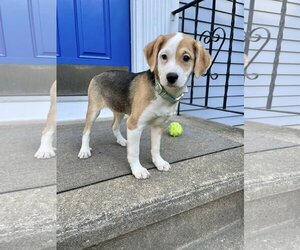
column 175, row 129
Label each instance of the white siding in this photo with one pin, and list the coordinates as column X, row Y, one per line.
column 149, row 19
column 286, row 96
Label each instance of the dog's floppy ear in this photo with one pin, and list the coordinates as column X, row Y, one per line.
column 202, row 60
column 151, row 50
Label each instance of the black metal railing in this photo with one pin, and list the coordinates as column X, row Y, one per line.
column 260, row 35
column 214, row 40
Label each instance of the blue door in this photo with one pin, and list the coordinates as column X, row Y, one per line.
column 94, row 32
column 89, row 32
column 27, row 32
column 27, row 46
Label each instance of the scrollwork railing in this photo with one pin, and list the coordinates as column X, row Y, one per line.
column 208, row 37
column 254, row 36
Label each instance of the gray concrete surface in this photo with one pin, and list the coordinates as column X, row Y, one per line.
column 272, row 172
column 109, row 159
column 287, row 134
column 272, row 187
column 271, row 210
column 271, row 160
column 91, row 215
column 27, row 190
column 204, row 226
column 18, row 168
column 230, row 237
column 285, row 236
column 295, row 126
column 28, row 219
column 257, row 142
column 114, row 207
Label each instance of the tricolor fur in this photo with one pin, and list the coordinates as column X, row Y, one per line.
column 172, row 59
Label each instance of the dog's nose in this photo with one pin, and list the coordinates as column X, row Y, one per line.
column 172, row 77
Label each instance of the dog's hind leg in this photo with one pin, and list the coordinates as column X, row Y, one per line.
column 91, row 116
column 46, row 149
column 118, row 117
column 95, row 105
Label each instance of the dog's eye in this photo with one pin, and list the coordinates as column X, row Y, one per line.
column 186, row 58
column 164, row 57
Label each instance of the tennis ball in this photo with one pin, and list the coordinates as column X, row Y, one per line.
column 175, row 129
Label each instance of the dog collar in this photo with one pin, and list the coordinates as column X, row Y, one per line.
column 166, row 95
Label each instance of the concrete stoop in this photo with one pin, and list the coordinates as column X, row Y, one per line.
column 227, row 238
column 198, row 202
column 215, row 225
column 272, row 187
column 283, row 236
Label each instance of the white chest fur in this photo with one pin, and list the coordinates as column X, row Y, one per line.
column 158, row 112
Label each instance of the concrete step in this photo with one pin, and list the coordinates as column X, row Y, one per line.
column 197, row 198
column 27, row 189
column 272, row 186
column 211, row 226
column 28, row 219
column 19, row 169
column 284, row 236
column 271, row 211
column 229, row 237
column 272, row 172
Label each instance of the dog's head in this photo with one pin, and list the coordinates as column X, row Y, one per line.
column 174, row 57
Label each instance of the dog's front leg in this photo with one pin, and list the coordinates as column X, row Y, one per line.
column 133, row 152
column 159, row 162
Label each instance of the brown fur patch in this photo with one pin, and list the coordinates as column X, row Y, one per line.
column 95, row 99
column 202, row 60
column 186, row 46
column 199, row 56
column 152, row 49
column 95, row 103
column 142, row 93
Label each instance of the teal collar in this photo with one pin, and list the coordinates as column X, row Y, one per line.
column 166, row 95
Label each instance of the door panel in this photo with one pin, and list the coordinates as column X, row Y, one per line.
column 43, row 31
column 2, row 41
column 93, row 36
column 94, row 32
column 28, row 31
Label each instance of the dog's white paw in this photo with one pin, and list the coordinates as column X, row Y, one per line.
column 140, row 172
column 85, row 153
column 45, row 152
column 162, row 165
column 122, row 142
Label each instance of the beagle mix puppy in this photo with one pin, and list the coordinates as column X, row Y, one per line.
column 148, row 98
column 46, row 149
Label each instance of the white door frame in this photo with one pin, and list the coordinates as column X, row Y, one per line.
column 149, row 19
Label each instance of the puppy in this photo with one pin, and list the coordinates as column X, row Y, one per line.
column 46, row 149
column 148, row 98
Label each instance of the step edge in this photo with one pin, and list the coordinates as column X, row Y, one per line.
column 261, row 188
column 224, row 187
